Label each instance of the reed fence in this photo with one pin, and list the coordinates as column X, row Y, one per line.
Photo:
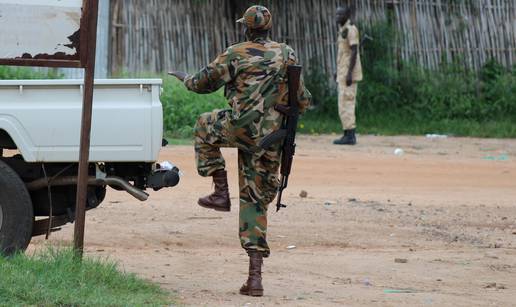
column 156, row 35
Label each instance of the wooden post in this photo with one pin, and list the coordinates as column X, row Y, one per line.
column 87, row 106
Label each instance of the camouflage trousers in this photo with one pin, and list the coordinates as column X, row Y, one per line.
column 347, row 101
column 258, row 174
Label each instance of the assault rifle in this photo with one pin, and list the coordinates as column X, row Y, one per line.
column 287, row 133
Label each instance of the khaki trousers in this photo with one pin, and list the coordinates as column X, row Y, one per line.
column 347, row 101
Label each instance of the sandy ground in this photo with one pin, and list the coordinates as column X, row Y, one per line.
column 446, row 206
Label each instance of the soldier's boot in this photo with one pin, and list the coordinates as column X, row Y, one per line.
column 349, row 138
column 219, row 199
column 253, row 286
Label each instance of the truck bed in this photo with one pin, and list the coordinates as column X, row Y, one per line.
column 43, row 119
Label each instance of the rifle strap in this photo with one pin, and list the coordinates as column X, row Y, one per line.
column 281, row 76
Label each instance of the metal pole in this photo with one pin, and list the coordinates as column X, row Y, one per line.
column 82, row 185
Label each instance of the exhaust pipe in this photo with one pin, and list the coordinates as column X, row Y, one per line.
column 111, row 181
column 163, row 179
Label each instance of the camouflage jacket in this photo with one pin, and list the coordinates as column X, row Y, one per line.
column 253, row 74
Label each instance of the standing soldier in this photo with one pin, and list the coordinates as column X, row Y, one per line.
column 349, row 72
column 254, row 76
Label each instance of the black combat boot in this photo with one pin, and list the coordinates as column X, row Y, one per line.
column 253, row 285
column 348, row 138
column 219, row 199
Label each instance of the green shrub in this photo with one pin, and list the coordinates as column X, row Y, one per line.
column 20, row 73
column 324, row 93
column 498, row 89
column 181, row 108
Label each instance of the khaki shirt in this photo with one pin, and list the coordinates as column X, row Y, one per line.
column 348, row 36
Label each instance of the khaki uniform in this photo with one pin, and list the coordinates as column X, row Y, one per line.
column 347, row 37
column 253, row 74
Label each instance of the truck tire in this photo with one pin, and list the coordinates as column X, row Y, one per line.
column 16, row 212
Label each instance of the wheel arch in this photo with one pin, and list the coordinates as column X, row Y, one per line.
column 13, row 136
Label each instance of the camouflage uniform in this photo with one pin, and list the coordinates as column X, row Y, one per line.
column 253, row 74
column 348, row 36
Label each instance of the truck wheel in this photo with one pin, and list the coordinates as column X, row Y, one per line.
column 16, row 213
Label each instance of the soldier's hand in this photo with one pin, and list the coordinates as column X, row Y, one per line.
column 178, row 74
column 349, row 80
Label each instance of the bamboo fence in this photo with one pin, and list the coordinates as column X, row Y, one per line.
column 156, row 35
column 471, row 30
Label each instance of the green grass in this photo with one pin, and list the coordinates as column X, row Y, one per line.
column 398, row 125
column 57, row 278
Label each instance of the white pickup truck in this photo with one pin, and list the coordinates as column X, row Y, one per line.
column 39, row 150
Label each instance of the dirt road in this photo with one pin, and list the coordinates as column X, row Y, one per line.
column 445, row 207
